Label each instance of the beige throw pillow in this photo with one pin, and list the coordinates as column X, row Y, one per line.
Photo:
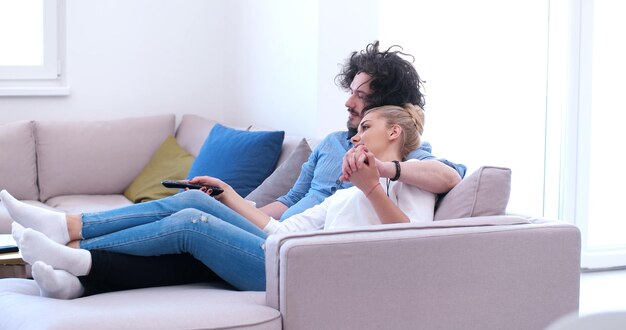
column 485, row 192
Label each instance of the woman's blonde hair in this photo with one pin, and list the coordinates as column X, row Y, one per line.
column 410, row 118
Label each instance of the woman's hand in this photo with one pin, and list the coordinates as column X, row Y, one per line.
column 364, row 173
column 350, row 160
column 211, row 181
column 385, row 169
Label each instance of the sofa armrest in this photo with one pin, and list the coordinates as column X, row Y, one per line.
column 500, row 272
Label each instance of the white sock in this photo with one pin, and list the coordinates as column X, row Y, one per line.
column 36, row 246
column 51, row 223
column 56, row 283
column 16, row 231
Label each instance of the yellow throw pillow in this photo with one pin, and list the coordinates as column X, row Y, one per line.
column 169, row 162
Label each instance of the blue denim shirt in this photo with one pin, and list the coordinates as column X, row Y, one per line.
column 319, row 177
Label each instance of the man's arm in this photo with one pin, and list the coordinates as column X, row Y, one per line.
column 430, row 175
column 298, row 191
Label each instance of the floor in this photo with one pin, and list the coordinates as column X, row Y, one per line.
column 602, row 291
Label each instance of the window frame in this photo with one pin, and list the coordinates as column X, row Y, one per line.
column 47, row 79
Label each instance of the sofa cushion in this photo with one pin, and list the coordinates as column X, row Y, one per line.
column 96, row 157
column 243, row 159
column 18, row 165
column 87, row 203
column 485, row 192
column 283, row 178
column 197, row 306
column 170, row 162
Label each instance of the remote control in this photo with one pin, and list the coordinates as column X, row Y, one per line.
column 180, row 184
column 8, row 248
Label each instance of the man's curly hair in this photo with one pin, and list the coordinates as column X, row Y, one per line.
column 394, row 79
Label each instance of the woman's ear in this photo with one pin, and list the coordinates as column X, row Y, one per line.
column 394, row 132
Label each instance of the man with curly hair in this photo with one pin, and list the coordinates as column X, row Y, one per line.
column 373, row 78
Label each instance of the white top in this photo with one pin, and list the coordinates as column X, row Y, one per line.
column 349, row 208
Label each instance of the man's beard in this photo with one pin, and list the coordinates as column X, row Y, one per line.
column 351, row 131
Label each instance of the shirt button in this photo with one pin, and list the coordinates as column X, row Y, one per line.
column 333, row 189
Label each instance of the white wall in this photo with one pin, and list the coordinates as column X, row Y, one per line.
column 272, row 63
column 345, row 26
column 134, row 58
column 269, row 62
column 285, row 58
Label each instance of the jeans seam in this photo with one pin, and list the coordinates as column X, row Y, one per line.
column 124, row 217
column 115, row 245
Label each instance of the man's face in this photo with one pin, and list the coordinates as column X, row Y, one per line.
column 359, row 90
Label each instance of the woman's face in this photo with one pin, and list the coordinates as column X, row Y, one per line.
column 373, row 133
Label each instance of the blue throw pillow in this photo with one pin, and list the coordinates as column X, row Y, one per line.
column 243, row 159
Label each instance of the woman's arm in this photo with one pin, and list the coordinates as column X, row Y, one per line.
column 366, row 177
column 309, row 220
column 274, row 209
column 231, row 199
column 428, row 174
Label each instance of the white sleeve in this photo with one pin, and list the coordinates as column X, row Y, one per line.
column 311, row 219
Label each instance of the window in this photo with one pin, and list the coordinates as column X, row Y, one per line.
column 484, row 63
column 534, row 86
column 30, row 61
column 600, row 136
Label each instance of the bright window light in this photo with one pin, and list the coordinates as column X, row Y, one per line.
column 484, row 63
column 21, row 32
column 605, row 225
column 28, row 41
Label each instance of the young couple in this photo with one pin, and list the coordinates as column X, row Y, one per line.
column 202, row 226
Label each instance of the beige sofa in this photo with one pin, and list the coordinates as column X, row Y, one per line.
column 473, row 268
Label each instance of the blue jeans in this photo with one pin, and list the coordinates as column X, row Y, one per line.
column 189, row 222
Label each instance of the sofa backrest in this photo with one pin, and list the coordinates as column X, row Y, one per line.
column 96, row 157
column 18, row 165
column 194, row 129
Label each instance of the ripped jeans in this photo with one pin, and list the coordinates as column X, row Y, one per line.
column 188, row 222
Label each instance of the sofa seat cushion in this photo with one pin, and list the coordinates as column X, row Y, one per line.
column 87, row 203
column 195, row 306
